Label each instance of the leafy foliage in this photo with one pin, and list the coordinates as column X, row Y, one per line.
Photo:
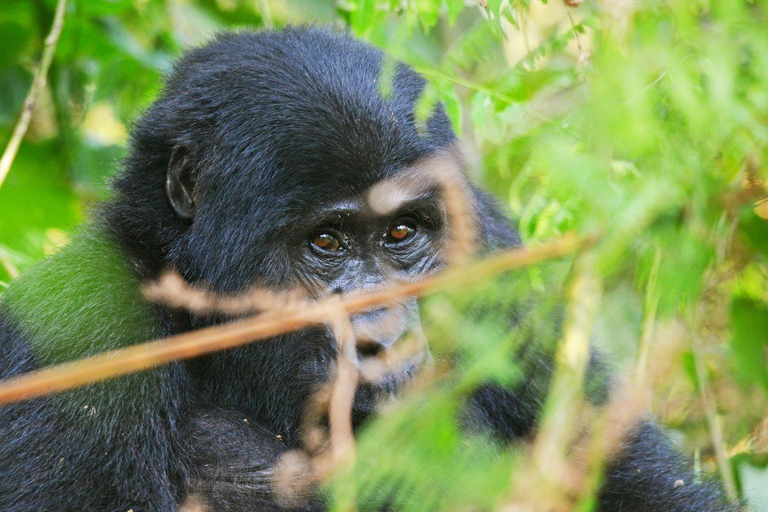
column 644, row 123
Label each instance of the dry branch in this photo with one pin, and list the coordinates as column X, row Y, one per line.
column 572, row 359
column 552, row 453
column 298, row 471
column 196, row 343
column 713, row 420
column 344, row 386
column 38, row 85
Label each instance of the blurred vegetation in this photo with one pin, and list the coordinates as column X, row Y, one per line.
column 645, row 122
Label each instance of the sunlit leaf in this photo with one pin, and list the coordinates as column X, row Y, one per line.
column 750, row 340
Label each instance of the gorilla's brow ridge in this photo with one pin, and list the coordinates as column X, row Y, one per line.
column 336, row 213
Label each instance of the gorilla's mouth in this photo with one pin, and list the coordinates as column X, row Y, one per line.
column 369, row 397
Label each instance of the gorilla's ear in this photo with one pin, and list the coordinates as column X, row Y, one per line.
column 180, row 182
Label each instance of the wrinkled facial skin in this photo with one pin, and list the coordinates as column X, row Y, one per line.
column 346, row 248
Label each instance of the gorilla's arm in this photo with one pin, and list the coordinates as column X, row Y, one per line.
column 111, row 446
column 114, row 445
column 133, row 443
column 649, row 474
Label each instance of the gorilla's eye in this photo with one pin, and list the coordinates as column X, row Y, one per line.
column 327, row 242
column 400, row 232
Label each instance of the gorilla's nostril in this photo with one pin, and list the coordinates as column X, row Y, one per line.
column 368, row 349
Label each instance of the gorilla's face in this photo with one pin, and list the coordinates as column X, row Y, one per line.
column 349, row 247
column 335, row 242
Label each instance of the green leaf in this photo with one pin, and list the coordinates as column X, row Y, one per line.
column 104, row 7
column 454, row 9
column 363, row 15
column 452, row 107
column 749, row 341
column 14, row 86
column 35, row 198
column 494, row 6
column 754, row 229
column 14, row 41
column 386, row 79
column 425, row 106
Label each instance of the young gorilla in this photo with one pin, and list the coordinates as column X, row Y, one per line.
column 251, row 168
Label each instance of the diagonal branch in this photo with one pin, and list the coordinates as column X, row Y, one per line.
column 38, row 85
column 136, row 358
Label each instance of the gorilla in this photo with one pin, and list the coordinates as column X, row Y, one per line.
column 251, row 169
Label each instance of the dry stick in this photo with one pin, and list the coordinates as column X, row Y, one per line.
column 196, row 343
column 173, row 291
column 344, row 387
column 713, row 421
column 572, row 360
column 559, row 425
column 650, row 308
column 38, row 85
column 324, row 449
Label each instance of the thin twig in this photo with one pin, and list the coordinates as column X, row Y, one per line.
column 344, row 386
column 575, row 33
column 710, row 409
column 38, row 85
column 650, row 308
column 469, row 84
column 196, row 343
column 572, row 359
column 560, row 425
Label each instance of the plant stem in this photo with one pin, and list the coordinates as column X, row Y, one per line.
column 140, row 357
column 38, row 85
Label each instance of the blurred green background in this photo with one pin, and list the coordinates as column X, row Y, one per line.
column 644, row 121
column 113, row 55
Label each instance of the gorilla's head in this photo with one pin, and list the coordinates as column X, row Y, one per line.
column 255, row 167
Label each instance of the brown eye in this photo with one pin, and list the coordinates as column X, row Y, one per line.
column 400, row 232
column 327, row 242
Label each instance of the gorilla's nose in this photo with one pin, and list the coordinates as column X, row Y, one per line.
column 370, row 348
column 377, row 331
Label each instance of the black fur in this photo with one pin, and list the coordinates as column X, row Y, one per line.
column 273, row 126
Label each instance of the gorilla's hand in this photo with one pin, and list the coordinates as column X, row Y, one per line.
column 232, row 462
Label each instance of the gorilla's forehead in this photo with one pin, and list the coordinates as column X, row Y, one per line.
column 316, row 166
column 303, row 107
column 361, row 207
column 333, row 152
column 416, row 186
